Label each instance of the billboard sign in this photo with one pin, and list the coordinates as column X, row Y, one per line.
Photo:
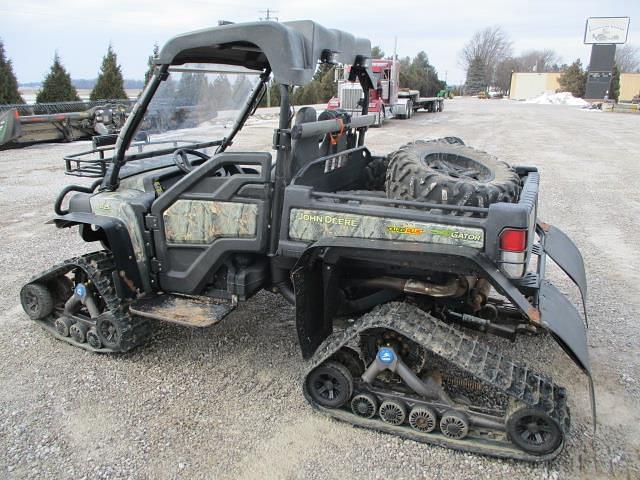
column 606, row 30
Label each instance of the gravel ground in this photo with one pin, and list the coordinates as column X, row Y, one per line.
column 225, row 402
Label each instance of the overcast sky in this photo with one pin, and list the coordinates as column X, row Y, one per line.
column 80, row 30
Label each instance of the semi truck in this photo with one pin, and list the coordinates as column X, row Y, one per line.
column 387, row 99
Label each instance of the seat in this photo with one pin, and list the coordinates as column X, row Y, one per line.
column 304, row 150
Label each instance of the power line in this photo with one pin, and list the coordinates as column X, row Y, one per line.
column 268, row 15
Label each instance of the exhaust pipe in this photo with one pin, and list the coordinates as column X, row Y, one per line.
column 455, row 287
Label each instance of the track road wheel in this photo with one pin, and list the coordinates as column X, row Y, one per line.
column 36, row 300
column 423, row 419
column 392, row 412
column 78, row 332
column 454, row 425
column 364, row 405
column 330, row 385
column 63, row 326
column 93, row 339
column 534, row 431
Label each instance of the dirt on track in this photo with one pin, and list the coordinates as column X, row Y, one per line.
column 225, row 402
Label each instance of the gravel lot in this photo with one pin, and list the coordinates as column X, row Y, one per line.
column 225, row 402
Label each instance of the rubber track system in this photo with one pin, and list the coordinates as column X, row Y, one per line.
column 99, row 268
column 465, row 352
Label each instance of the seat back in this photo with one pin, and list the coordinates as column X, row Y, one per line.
column 304, row 150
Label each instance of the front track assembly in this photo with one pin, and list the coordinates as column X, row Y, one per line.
column 463, row 395
column 76, row 302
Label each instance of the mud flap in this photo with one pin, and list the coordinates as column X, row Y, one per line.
column 566, row 255
column 561, row 318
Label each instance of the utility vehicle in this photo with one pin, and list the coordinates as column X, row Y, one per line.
column 400, row 266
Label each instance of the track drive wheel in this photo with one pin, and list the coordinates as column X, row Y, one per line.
column 36, row 300
column 330, row 385
column 534, row 431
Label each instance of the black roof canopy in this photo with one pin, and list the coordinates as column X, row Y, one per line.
column 291, row 49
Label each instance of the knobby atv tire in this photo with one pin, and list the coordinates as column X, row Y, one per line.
column 445, row 171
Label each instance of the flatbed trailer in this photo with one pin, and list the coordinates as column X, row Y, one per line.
column 410, row 101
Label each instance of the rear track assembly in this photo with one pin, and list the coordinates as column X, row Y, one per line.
column 530, row 423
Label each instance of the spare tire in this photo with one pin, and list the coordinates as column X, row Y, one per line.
column 445, row 171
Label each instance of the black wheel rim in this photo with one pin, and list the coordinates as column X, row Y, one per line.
column 536, row 432
column 329, row 387
column 457, row 166
column 109, row 333
column 31, row 302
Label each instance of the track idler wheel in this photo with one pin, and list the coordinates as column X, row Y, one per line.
column 78, row 332
column 108, row 331
column 534, row 431
column 423, row 419
column 330, row 385
column 454, row 425
column 93, row 339
column 364, row 405
column 393, row 412
column 63, row 326
column 36, row 300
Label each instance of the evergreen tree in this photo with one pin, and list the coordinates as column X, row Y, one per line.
column 8, row 82
column 574, row 79
column 57, row 86
column 150, row 65
column 476, row 82
column 614, row 89
column 222, row 91
column 110, row 84
column 377, row 52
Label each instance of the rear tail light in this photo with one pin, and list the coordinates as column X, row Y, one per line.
column 513, row 252
column 513, row 240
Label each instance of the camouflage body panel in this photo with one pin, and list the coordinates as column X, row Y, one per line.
column 203, row 221
column 117, row 205
column 311, row 225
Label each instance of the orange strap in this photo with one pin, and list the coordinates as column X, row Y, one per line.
column 335, row 138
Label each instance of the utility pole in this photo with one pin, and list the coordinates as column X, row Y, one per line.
column 268, row 15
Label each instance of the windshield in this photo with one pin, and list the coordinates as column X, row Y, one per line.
column 196, row 103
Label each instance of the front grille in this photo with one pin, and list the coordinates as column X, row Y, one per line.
column 350, row 94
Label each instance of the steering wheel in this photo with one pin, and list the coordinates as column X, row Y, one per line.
column 181, row 158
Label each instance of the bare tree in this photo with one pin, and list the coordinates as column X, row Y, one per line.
column 628, row 58
column 529, row 61
column 489, row 47
column 537, row 60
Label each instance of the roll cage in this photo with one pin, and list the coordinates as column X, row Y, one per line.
column 290, row 51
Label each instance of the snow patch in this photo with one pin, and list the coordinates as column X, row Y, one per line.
column 560, row 98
